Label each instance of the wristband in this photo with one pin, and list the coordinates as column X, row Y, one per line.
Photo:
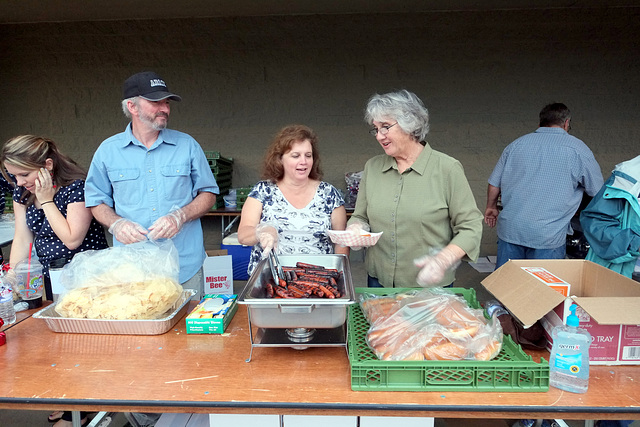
column 44, row 203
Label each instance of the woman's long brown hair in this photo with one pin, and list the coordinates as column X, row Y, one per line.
column 30, row 152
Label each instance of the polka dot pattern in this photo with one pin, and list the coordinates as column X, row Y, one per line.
column 48, row 246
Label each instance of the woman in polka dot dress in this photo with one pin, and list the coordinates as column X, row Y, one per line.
column 48, row 204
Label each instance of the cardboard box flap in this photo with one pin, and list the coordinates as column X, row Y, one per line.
column 611, row 310
column 516, row 290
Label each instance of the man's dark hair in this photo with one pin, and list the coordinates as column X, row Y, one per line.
column 554, row 115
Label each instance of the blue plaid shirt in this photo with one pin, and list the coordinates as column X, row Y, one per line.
column 542, row 177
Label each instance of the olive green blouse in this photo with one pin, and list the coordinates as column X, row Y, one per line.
column 426, row 207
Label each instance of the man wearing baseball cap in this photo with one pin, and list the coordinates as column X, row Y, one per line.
column 150, row 182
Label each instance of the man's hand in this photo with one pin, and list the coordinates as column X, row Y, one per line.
column 491, row 216
column 167, row 226
column 127, row 232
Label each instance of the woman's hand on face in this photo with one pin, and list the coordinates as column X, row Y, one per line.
column 45, row 190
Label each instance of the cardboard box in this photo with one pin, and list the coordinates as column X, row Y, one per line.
column 218, row 272
column 608, row 304
column 212, row 315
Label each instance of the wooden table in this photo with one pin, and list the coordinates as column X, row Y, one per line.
column 177, row 372
column 228, row 216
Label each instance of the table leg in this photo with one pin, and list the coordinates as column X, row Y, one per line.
column 75, row 419
column 227, row 229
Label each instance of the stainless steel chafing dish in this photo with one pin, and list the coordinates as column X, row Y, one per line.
column 298, row 322
column 298, row 312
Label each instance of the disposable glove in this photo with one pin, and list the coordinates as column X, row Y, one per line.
column 126, row 231
column 356, row 229
column 434, row 266
column 267, row 236
column 168, row 226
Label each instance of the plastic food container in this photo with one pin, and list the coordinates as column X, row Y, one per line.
column 511, row 371
column 298, row 312
column 117, row 327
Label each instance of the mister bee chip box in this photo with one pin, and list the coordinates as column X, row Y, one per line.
column 212, row 315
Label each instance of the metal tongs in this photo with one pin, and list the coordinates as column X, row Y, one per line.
column 276, row 269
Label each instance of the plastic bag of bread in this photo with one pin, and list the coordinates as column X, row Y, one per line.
column 429, row 324
column 136, row 281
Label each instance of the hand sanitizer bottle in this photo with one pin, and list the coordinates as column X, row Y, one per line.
column 569, row 361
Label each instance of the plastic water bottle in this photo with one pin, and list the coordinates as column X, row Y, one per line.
column 7, row 312
column 569, row 360
column 494, row 307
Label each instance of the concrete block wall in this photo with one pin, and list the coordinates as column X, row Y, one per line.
column 484, row 76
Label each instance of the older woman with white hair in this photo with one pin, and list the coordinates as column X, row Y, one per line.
column 418, row 197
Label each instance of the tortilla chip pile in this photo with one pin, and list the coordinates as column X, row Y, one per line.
column 125, row 300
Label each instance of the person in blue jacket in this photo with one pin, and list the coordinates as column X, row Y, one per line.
column 611, row 221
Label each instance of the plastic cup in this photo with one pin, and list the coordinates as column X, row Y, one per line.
column 30, row 282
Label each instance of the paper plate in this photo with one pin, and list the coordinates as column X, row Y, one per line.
column 346, row 238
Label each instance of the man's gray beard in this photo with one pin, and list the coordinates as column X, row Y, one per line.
column 151, row 122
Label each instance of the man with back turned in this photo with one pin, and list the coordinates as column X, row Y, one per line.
column 541, row 178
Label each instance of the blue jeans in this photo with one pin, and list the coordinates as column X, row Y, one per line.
column 507, row 251
column 372, row 282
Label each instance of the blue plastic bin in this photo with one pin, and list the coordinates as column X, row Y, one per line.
column 239, row 256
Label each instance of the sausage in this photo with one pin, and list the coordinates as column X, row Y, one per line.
column 327, row 292
column 269, row 289
column 282, row 293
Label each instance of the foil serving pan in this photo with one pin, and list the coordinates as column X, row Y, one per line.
column 117, row 327
column 298, row 312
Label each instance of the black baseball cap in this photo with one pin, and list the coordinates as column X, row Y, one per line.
column 147, row 85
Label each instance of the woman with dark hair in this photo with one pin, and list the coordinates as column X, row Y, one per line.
column 291, row 209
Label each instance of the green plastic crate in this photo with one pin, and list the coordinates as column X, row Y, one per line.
column 240, row 201
column 219, row 203
column 214, row 158
column 511, row 371
column 243, row 191
column 221, row 169
column 224, row 182
column 223, row 162
column 215, row 155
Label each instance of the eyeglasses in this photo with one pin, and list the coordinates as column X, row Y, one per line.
column 383, row 129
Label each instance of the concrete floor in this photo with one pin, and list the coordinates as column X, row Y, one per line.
column 466, row 276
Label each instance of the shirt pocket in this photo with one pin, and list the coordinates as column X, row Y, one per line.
column 126, row 185
column 177, row 183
